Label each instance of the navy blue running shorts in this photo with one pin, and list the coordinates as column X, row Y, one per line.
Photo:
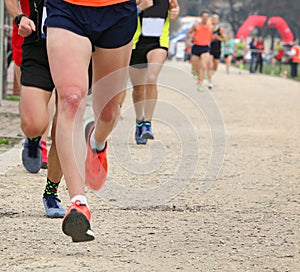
column 198, row 50
column 106, row 27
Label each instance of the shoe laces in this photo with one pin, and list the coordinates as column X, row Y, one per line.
column 148, row 126
column 78, row 203
column 52, row 201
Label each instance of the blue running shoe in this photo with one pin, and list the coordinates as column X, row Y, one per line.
column 52, row 206
column 32, row 155
column 138, row 132
column 146, row 131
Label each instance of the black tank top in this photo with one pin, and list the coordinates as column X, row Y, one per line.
column 215, row 45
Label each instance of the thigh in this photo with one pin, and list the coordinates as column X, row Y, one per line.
column 194, row 59
column 156, row 59
column 69, row 56
column 34, row 102
column 206, row 58
column 137, row 76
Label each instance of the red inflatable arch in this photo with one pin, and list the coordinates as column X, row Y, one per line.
column 251, row 22
column 282, row 27
column 254, row 21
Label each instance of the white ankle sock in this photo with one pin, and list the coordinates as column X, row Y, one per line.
column 99, row 146
column 81, row 198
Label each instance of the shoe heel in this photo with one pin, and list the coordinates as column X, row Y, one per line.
column 78, row 227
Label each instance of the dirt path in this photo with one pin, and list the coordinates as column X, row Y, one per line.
column 161, row 210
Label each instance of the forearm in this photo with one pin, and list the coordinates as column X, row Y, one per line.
column 13, row 8
column 174, row 9
column 144, row 4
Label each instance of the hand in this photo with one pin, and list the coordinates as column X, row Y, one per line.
column 26, row 27
column 144, row 4
column 174, row 9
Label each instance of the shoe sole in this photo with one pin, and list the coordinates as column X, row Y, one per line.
column 141, row 141
column 78, row 227
column 44, row 165
column 147, row 136
column 55, row 214
column 87, row 130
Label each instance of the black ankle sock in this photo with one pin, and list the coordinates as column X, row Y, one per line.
column 35, row 139
column 51, row 188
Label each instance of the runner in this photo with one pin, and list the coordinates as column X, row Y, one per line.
column 75, row 29
column 150, row 49
column 37, row 87
column 201, row 34
column 228, row 49
column 17, row 42
column 240, row 50
column 217, row 39
column 253, row 52
column 259, row 58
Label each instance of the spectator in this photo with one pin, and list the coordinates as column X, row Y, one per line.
column 259, row 59
column 253, row 49
column 294, row 53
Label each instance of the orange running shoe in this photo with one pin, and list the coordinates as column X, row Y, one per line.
column 76, row 223
column 95, row 163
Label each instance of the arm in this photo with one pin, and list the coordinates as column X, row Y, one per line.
column 144, row 4
column 222, row 37
column 190, row 33
column 12, row 7
column 174, row 9
column 26, row 26
column 292, row 52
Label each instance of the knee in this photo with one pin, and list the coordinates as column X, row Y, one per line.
column 34, row 126
column 138, row 91
column 152, row 79
column 70, row 101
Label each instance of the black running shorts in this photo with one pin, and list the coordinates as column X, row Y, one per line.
column 35, row 71
column 143, row 47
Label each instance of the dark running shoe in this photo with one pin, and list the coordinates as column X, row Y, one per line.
column 138, row 133
column 32, row 155
column 147, row 132
column 53, row 209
